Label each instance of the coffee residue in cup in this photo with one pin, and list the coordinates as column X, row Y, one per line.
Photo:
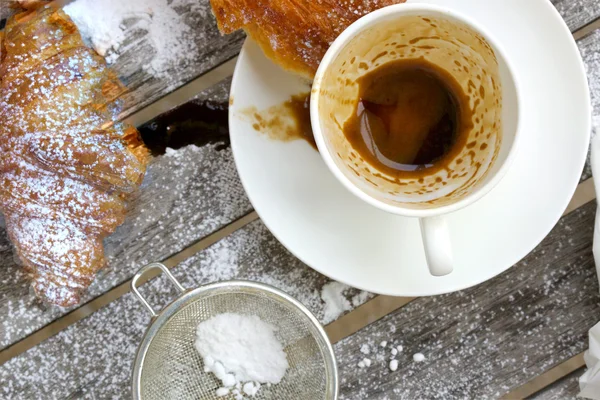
column 286, row 122
column 411, row 118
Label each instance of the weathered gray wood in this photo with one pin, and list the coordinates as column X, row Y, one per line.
column 93, row 358
column 565, row 389
column 212, row 49
column 187, row 195
column 484, row 341
column 577, row 13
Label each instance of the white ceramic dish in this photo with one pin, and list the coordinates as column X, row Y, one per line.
column 332, row 231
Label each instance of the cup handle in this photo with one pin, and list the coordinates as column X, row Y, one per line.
column 438, row 249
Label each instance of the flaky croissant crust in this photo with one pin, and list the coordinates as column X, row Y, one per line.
column 66, row 166
column 293, row 33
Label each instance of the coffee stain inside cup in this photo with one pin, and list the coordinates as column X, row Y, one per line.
column 410, row 120
column 285, row 122
column 450, row 45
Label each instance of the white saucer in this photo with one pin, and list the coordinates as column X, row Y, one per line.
column 337, row 234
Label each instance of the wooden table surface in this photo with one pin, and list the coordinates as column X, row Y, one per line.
column 518, row 335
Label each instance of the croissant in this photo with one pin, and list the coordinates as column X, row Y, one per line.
column 295, row 34
column 67, row 167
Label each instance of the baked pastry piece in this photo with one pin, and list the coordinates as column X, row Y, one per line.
column 293, row 33
column 67, row 166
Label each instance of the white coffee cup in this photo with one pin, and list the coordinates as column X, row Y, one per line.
column 458, row 45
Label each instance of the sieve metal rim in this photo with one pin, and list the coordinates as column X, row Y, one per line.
column 187, row 295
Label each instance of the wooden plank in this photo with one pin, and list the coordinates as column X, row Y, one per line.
column 210, row 49
column 371, row 311
column 214, row 49
column 577, row 13
column 565, row 389
column 571, row 10
column 546, row 379
column 484, row 341
column 588, row 46
column 172, row 212
column 93, row 358
column 364, row 315
column 220, row 76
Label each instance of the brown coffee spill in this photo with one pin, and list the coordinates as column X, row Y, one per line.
column 411, row 119
column 197, row 122
column 286, row 122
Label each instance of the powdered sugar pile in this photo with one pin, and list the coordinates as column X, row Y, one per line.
column 106, row 25
column 334, row 295
column 242, row 351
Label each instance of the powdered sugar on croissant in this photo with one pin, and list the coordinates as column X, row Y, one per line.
column 66, row 166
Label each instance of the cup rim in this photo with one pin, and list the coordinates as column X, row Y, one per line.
column 337, row 46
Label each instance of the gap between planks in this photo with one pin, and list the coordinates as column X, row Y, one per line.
column 355, row 320
column 587, row 29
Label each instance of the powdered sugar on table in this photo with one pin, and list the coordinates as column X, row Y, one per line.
column 106, row 23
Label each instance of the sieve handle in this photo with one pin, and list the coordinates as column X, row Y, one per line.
column 141, row 272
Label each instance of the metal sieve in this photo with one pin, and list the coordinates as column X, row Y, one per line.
column 167, row 365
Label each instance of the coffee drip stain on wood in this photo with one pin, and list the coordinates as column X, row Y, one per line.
column 206, row 122
column 197, row 122
column 286, row 122
column 411, row 120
